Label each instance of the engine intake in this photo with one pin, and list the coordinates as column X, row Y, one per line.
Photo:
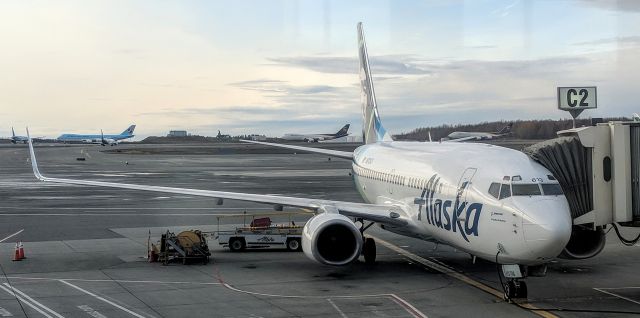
column 584, row 243
column 331, row 239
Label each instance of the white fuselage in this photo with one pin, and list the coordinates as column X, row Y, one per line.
column 477, row 135
column 308, row 137
column 444, row 187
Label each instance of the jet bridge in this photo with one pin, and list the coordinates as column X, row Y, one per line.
column 598, row 168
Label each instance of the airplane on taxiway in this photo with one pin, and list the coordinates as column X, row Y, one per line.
column 492, row 202
column 472, row 135
column 317, row 137
column 16, row 139
column 99, row 139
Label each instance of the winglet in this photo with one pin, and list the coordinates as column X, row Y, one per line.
column 34, row 162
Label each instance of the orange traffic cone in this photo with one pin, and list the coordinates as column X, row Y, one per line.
column 16, row 255
column 21, row 251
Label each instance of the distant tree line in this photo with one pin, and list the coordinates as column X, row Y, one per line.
column 522, row 129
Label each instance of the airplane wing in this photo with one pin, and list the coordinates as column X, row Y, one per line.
column 334, row 153
column 385, row 214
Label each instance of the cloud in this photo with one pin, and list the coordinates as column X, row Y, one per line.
column 388, row 65
column 619, row 40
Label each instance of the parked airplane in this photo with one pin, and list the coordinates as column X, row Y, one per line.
column 16, row 139
column 223, row 136
column 491, row 202
column 317, row 137
column 468, row 135
column 99, row 139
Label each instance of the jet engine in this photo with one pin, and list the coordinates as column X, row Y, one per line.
column 332, row 239
column 584, row 243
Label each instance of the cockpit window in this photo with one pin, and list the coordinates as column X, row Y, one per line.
column 494, row 189
column 505, row 191
column 525, row 189
column 551, row 189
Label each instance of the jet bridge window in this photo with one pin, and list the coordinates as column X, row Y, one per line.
column 551, row 189
column 526, row 189
column 494, row 190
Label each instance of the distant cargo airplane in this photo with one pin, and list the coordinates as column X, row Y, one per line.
column 489, row 201
column 317, row 137
column 468, row 135
column 99, row 139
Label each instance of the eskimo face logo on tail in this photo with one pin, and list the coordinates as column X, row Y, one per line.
column 457, row 216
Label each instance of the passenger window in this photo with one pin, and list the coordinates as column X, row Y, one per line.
column 494, row 190
column 525, row 189
column 505, row 191
column 551, row 189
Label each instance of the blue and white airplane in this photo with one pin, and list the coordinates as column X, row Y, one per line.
column 491, row 202
column 99, row 139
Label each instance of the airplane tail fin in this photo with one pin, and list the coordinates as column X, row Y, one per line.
column 343, row 131
column 372, row 130
column 505, row 130
column 129, row 131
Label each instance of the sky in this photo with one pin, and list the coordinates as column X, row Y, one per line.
column 275, row 67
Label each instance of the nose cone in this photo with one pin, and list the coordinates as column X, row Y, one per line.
column 546, row 227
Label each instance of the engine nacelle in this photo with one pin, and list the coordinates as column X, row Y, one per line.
column 584, row 243
column 331, row 239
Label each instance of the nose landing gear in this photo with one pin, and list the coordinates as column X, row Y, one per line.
column 515, row 288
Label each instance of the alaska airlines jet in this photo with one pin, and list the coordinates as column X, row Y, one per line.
column 317, row 137
column 491, row 202
column 468, row 135
column 99, row 139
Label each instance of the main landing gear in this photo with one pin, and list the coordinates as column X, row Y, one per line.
column 369, row 247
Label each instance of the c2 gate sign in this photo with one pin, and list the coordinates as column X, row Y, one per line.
column 577, row 98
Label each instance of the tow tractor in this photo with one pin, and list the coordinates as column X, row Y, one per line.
column 261, row 233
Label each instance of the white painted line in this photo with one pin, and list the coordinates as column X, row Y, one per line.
column 451, row 272
column 10, row 236
column 408, row 307
column 628, row 287
column 22, row 300
column 102, row 299
column 403, row 303
column 28, row 303
column 616, row 295
column 342, row 314
column 91, row 312
column 5, row 313
column 112, row 280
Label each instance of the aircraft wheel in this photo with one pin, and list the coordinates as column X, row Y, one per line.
column 515, row 289
column 369, row 250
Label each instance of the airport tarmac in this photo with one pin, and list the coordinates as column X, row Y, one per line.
column 86, row 247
